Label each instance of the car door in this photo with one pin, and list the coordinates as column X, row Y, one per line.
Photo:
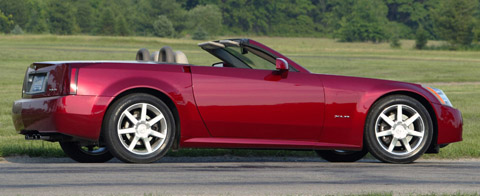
column 259, row 104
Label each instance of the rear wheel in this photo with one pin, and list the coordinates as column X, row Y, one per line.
column 86, row 153
column 139, row 128
column 398, row 129
column 341, row 155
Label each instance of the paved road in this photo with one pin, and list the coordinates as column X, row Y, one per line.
column 235, row 176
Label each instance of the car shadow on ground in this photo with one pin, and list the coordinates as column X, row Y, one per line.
column 203, row 159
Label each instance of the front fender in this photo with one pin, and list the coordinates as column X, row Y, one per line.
column 348, row 101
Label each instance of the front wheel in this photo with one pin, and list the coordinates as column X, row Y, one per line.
column 398, row 129
column 139, row 128
column 86, row 153
column 341, row 155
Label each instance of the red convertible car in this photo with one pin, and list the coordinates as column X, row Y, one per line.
column 254, row 97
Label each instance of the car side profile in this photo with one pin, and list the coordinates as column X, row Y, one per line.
column 253, row 97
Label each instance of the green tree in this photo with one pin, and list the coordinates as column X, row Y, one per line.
column 333, row 12
column 19, row 9
column 199, row 34
column 243, row 16
column 17, row 30
column 6, row 22
column 366, row 22
column 421, row 38
column 142, row 20
column 163, row 27
column 37, row 22
column 349, row 20
column 476, row 32
column 145, row 12
column 107, row 22
column 268, row 17
column 409, row 12
column 61, row 19
column 292, row 20
column 454, row 21
column 174, row 12
column 85, row 17
column 190, row 4
column 395, row 41
column 122, row 27
column 208, row 18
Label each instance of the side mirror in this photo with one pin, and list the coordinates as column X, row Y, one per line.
column 219, row 64
column 281, row 64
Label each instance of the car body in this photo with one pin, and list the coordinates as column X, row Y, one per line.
column 232, row 104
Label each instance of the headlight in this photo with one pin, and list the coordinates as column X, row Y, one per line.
column 440, row 95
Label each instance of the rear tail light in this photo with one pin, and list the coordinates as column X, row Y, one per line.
column 73, row 81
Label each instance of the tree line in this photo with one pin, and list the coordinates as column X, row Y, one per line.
column 456, row 21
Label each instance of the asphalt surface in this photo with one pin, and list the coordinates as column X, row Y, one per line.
column 236, row 176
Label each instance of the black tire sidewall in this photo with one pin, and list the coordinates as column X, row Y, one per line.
column 371, row 141
column 110, row 128
column 74, row 151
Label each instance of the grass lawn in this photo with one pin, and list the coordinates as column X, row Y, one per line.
column 362, row 194
column 456, row 72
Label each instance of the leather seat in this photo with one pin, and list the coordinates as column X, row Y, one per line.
column 165, row 54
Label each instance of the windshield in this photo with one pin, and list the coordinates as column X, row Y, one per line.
column 251, row 57
column 232, row 53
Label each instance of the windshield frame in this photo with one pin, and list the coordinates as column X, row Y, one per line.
column 219, row 50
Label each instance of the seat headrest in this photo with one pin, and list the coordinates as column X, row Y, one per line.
column 155, row 56
column 143, row 55
column 180, row 57
column 166, row 55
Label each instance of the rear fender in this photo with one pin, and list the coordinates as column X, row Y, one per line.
column 171, row 80
column 190, row 122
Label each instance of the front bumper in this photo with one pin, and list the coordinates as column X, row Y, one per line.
column 450, row 124
column 77, row 116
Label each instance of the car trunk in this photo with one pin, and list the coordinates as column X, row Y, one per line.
column 46, row 80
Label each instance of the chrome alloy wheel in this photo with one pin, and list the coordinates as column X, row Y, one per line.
column 399, row 130
column 142, row 128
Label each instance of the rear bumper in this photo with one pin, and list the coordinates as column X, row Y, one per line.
column 450, row 124
column 77, row 116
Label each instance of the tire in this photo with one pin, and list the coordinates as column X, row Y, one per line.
column 341, row 156
column 398, row 141
column 86, row 154
column 139, row 128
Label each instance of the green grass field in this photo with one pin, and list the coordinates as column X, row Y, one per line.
column 456, row 72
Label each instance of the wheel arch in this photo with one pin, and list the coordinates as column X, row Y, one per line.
column 433, row 145
column 160, row 95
